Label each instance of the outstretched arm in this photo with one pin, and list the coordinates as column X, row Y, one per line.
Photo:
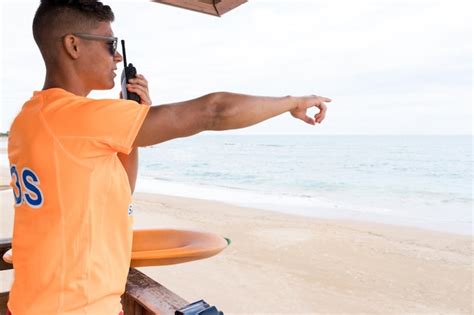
column 222, row 111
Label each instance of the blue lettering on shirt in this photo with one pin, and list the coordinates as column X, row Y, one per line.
column 16, row 182
column 32, row 195
column 26, row 188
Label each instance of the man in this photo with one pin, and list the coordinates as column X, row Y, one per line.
column 74, row 161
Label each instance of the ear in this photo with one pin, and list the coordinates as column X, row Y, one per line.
column 71, row 46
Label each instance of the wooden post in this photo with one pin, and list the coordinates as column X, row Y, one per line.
column 144, row 296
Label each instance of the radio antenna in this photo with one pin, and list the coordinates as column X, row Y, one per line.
column 123, row 53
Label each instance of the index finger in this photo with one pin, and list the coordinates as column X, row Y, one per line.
column 141, row 76
column 139, row 79
column 325, row 99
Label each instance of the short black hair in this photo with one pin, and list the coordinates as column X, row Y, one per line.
column 59, row 17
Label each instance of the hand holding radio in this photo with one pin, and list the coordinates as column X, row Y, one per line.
column 139, row 85
column 130, row 77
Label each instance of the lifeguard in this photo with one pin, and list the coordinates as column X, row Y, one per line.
column 74, row 160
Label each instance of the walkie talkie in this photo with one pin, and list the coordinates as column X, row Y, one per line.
column 129, row 72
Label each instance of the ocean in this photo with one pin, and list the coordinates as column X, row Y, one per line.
column 420, row 181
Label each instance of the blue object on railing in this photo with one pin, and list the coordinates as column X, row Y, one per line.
column 199, row 308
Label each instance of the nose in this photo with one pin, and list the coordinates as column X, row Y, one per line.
column 118, row 57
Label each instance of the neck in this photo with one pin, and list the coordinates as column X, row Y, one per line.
column 65, row 84
column 62, row 76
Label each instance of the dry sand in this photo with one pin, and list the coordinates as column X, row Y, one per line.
column 279, row 263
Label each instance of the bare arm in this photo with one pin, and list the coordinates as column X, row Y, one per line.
column 216, row 111
column 130, row 164
column 221, row 111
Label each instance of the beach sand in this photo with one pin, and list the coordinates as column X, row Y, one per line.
column 279, row 263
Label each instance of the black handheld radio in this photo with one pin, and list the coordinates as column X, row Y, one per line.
column 129, row 72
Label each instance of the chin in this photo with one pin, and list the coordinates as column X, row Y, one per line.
column 108, row 86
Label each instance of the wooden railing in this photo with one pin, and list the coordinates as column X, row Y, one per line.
column 143, row 295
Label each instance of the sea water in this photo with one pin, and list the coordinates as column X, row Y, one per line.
column 421, row 181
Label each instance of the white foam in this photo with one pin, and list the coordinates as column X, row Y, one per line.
column 229, row 195
column 310, row 206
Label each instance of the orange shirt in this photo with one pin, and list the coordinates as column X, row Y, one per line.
column 72, row 230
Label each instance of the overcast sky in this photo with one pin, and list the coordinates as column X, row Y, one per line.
column 392, row 67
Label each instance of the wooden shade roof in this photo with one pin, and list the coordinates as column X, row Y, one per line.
column 213, row 7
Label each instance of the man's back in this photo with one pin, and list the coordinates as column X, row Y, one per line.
column 72, row 231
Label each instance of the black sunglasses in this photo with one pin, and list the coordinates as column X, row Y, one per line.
column 112, row 42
